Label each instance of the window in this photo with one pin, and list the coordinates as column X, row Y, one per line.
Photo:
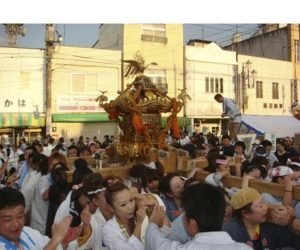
column 270, row 105
column 265, row 105
column 217, row 85
column 275, row 105
column 275, row 91
column 84, row 83
column 212, row 89
column 221, row 85
column 280, row 106
column 259, row 89
column 213, row 85
column 206, row 84
column 158, row 78
column 24, row 80
column 154, row 33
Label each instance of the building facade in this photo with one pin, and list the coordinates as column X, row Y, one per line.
column 279, row 42
column 22, row 99
column 78, row 76
column 209, row 70
column 159, row 43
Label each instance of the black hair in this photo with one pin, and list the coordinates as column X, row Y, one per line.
column 212, row 165
column 136, row 171
column 261, row 163
column 217, row 96
column 21, row 158
column 281, row 142
column 275, row 178
column 111, row 191
column 44, row 165
column 240, row 144
column 260, row 151
column 259, row 160
column 58, row 173
column 247, row 168
column 149, row 175
column 238, row 213
column 225, row 137
column 72, row 147
column 165, row 185
column 266, row 143
column 223, row 191
column 10, row 198
column 75, row 207
column 81, row 170
column 191, row 181
column 36, row 158
column 206, row 205
column 92, row 182
column 83, row 149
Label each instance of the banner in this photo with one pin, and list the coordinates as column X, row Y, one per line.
column 77, row 104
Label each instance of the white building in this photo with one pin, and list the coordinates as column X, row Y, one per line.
column 209, row 70
column 22, row 88
column 266, row 96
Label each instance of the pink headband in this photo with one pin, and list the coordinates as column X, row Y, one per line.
column 223, row 162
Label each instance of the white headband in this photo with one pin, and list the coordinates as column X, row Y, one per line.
column 96, row 191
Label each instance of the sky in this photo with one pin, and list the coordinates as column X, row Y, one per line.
column 78, row 21
column 85, row 35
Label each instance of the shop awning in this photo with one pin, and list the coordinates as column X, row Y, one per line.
column 88, row 117
column 280, row 125
column 21, row 120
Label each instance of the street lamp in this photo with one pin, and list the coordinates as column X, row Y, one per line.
column 246, row 74
column 52, row 37
column 13, row 30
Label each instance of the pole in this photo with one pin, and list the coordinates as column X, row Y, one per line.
column 243, row 88
column 49, row 54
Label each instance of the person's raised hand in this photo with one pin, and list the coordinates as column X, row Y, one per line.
column 140, row 215
column 157, row 216
column 60, row 230
column 281, row 215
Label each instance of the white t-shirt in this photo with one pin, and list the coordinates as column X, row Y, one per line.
column 63, row 209
column 29, row 188
column 39, row 209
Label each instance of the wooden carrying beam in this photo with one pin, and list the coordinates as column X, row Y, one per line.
column 105, row 172
column 90, row 160
column 260, row 186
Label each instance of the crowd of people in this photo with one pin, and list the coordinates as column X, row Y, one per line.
column 148, row 209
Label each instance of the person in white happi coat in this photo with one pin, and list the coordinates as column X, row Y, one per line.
column 204, row 207
column 14, row 235
column 124, row 230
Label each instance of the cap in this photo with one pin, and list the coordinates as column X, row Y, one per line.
column 281, row 171
column 244, row 197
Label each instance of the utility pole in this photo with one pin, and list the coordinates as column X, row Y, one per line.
column 243, row 88
column 50, row 41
